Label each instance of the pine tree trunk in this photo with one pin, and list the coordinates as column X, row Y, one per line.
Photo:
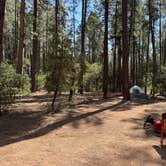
column 93, row 51
column 133, row 51
column 54, row 98
column 160, row 43
column 153, row 48
column 154, row 61
column 147, row 58
column 136, row 68
column 140, row 61
column 74, row 29
column 56, row 26
column 114, row 58
column 46, row 38
column 56, row 45
column 20, row 53
column 15, row 47
column 142, row 57
column 119, row 77
column 34, row 49
column 83, row 27
column 2, row 16
column 125, row 51
column 164, row 52
column 105, row 65
column 90, row 58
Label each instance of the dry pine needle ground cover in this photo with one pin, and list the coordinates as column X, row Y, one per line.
column 89, row 131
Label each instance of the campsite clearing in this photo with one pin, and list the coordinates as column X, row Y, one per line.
column 90, row 132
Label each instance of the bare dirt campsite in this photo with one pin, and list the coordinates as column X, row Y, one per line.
column 89, row 131
column 82, row 83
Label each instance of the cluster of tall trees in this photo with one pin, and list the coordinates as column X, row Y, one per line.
column 126, row 38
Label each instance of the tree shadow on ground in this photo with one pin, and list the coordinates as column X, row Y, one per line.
column 21, row 126
column 144, row 157
column 128, row 105
column 90, row 99
column 87, row 98
column 34, row 99
column 139, row 123
column 161, row 151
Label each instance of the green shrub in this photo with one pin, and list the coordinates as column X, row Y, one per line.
column 9, row 83
column 25, row 84
column 41, row 80
column 93, row 77
column 161, row 79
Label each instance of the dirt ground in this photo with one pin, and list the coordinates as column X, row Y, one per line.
column 90, row 131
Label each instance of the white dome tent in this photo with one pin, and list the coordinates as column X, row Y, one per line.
column 137, row 92
column 136, row 88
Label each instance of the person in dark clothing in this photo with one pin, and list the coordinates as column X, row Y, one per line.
column 70, row 94
column 149, row 120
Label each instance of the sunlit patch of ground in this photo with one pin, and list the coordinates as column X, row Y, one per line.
column 85, row 132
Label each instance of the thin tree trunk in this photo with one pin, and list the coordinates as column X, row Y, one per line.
column 114, row 58
column 56, row 45
column 130, row 43
column 38, row 62
column 133, row 52
column 21, row 39
column 119, row 78
column 147, row 58
column 15, row 33
column 142, row 57
column 83, row 27
column 153, row 48
column 125, row 51
column 154, row 61
column 89, row 52
column 46, row 45
column 105, row 65
column 2, row 16
column 34, row 49
column 54, row 98
column 93, row 51
column 136, row 67
column 74, row 29
column 160, row 43
column 56, row 26
column 164, row 52
column 139, row 63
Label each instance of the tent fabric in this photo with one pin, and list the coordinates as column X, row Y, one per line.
column 137, row 93
column 136, row 89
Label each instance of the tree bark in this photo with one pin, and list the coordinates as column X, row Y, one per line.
column 21, row 39
column 2, row 16
column 34, row 49
column 133, row 51
column 153, row 48
column 114, row 58
column 164, row 51
column 83, row 28
column 15, row 47
column 105, row 64
column 125, row 51
column 54, row 98
column 46, row 38
column 147, row 58
column 160, row 42
column 74, row 29
column 56, row 46
column 119, row 77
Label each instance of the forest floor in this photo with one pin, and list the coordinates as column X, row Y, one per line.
column 89, row 131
